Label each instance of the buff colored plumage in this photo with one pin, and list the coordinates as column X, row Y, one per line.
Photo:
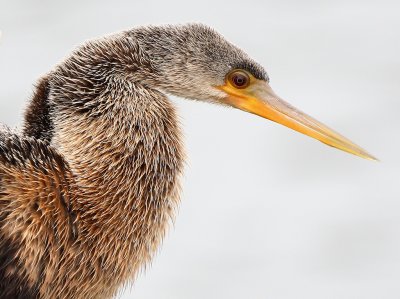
column 89, row 185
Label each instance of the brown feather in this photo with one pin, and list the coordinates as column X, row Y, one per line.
column 89, row 187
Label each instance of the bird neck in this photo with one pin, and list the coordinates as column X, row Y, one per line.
column 126, row 163
column 120, row 137
column 122, row 142
column 126, row 160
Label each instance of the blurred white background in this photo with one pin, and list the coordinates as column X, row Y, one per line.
column 266, row 212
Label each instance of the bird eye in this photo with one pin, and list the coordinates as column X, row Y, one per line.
column 239, row 79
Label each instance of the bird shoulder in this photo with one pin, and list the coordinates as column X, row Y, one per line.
column 35, row 212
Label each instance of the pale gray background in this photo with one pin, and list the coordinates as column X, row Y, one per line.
column 266, row 212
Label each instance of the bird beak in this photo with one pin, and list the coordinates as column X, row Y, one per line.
column 258, row 98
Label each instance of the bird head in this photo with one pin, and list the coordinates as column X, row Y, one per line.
column 194, row 61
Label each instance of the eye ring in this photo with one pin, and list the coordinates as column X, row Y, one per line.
column 239, row 79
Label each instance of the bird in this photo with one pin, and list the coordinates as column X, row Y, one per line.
column 91, row 181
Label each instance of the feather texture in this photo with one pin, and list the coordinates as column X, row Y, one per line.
column 87, row 189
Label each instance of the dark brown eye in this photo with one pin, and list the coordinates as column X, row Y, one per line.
column 239, row 79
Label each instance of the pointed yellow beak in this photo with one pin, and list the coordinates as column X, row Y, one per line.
column 258, row 98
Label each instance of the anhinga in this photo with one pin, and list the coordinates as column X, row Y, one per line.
column 87, row 188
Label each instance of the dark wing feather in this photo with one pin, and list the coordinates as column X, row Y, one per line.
column 35, row 213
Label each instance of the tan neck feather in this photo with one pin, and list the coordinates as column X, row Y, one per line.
column 127, row 165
